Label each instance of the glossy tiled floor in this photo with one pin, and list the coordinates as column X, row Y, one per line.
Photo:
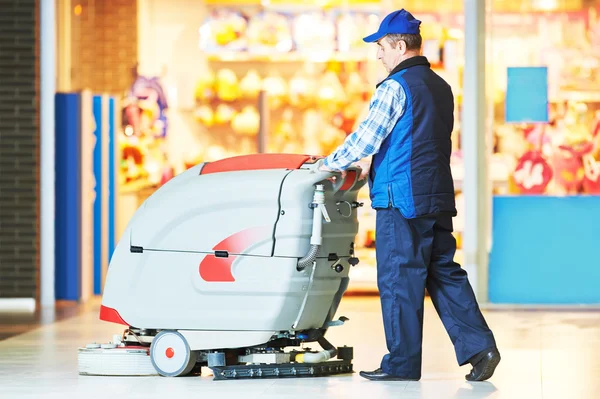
column 14, row 323
column 546, row 354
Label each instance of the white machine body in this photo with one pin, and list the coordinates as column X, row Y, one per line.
column 213, row 253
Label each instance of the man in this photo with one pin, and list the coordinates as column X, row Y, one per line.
column 408, row 131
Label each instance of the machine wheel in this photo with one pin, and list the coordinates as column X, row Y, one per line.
column 171, row 355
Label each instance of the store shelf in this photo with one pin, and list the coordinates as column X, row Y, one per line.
column 577, row 95
column 288, row 57
column 288, row 3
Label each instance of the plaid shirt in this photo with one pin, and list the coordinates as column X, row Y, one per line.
column 386, row 107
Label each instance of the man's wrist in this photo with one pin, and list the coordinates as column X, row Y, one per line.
column 327, row 163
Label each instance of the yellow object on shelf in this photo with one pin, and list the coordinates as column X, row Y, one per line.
column 276, row 88
column 228, row 88
column 250, row 85
column 205, row 86
column 331, row 95
column 246, row 122
column 224, row 114
column 205, row 115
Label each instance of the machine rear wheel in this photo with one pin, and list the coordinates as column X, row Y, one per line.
column 171, row 355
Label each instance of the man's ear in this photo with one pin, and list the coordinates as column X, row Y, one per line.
column 401, row 45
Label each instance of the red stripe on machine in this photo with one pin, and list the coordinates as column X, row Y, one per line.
column 240, row 241
column 218, row 269
column 215, row 269
column 111, row 315
column 258, row 162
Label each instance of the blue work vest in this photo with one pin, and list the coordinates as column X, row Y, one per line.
column 411, row 170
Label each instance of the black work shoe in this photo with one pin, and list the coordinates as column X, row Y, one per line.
column 484, row 368
column 379, row 375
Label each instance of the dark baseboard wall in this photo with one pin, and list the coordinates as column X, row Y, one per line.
column 19, row 148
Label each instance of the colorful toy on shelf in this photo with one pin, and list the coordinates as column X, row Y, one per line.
column 228, row 86
column 356, row 88
column 302, row 90
column 568, row 162
column 131, row 116
column 575, row 144
column 330, row 138
column 269, row 32
column 251, row 84
column 346, row 120
column 314, row 34
column 596, row 135
column 352, row 26
column 205, row 86
column 285, row 137
column 246, row 122
column 152, row 123
column 224, row 114
column 591, row 178
column 510, row 141
column 277, row 90
column 132, row 161
column 205, row 115
column 144, row 130
column 533, row 173
column 331, row 96
column 143, row 159
column 311, row 131
column 147, row 97
column 596, row 129
column 224, row 29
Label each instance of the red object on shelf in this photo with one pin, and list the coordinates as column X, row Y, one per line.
column 258, row 162
column 568, row 164
column 532, row 174
column 591, row 178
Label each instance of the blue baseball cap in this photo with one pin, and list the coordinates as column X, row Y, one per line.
column 400, row 22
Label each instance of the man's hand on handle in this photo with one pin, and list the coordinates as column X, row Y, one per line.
column 365, row 166
column 324, row 168
column 362, row 164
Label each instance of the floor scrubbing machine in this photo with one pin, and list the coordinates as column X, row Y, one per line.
column 234, row 265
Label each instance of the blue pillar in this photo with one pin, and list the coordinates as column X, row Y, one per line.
column 99, row 197
column 113, row 130
column 68, row 197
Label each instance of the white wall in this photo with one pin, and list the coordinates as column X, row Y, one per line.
column 168, row 38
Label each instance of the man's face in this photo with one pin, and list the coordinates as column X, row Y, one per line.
column 390, row 55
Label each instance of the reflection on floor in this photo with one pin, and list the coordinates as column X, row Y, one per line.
column 14, row 323
column 545, row 354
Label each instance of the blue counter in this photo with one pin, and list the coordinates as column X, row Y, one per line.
column 545, row 250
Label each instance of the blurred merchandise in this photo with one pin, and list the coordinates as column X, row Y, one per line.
column 224, row 29
column 296, row 76
column 227, row 85
column 269, row 32
column 314, row 33
column 144, row 129
column 251, row 84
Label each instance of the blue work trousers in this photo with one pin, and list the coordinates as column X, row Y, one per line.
column 414, row 254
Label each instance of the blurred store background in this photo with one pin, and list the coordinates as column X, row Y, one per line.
column 148, row 88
